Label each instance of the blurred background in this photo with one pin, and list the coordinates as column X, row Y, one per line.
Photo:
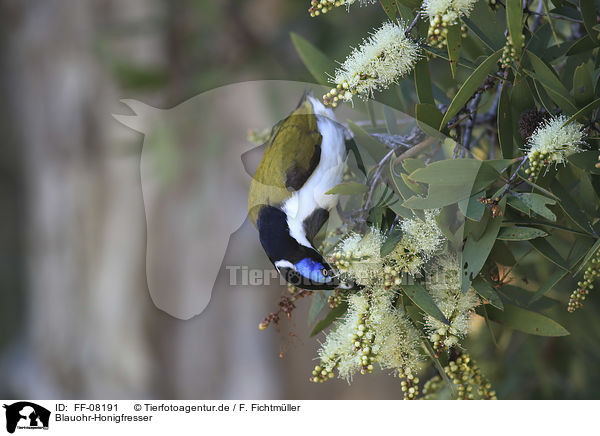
column 77, row 319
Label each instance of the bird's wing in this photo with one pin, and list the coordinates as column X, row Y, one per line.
column 291, row 156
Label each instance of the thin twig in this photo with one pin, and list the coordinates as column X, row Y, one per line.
column 414, row 22
column 512, row 179
column 560, row 17
column 471, row 121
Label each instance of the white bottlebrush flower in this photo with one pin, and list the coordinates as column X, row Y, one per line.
column 443, row 14
column 318, row 7
column 383, row 58
column 424, row 236
column 396, row 343
column 420, row 240
column 445, row 287
column 448, row 11
column 553, row 141
column 372, row 331
column 360, row 257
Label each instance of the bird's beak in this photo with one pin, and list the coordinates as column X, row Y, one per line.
column 346, row 283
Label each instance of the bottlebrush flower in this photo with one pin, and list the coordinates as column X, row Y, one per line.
column 318, row 7
column 449, row 11
column 383, row 58
column 373, row 331
column 360, row 256
column 553, row 141
column 443, row 14
column 445, row 288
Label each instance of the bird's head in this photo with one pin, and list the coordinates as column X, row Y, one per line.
column 310, row 272
column 298, row 263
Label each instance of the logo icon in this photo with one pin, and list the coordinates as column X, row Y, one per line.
column 26, row 415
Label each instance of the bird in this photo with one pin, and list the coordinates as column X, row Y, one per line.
column 288, row 203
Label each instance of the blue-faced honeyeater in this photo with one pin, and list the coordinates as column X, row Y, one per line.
column 288, row 201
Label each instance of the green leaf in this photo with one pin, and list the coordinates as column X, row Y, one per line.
column 390, row 8
column 348, row 188
column 584, row 111
column 412, row 4
column 591, row 252
column 439, row 196
column 376, row 149
column 551, row 83
column 557, row 276
column 571, row 208
column 493, row 23
column 470, row 86
column 537, row 203
column 527, row 321
column 318, row 302
column 586, row 160
column 521, row 99
column 487, row 292
column 391, row 123
column 476, row 251
column 517, row 204
column 480, row 34
column 411, row 165
column 588, row 14
column 423, row 82
column 549, row 18
column 421, row 298
column 451, row 181
column 443, row 54
column 472, row 208
column 582, row 45
column 520, row 233
column 514, row 19
column 333, row 315
column 583, row 87
column 390, row 243
column 543, row 247
column 448, row 172
column 428, row 114
column 453, row 43
column 314, row 59
column 505, row 123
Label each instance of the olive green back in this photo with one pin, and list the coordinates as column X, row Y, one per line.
column 293, row 144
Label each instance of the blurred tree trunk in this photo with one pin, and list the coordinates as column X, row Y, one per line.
column 84, row 333
column 91, row 330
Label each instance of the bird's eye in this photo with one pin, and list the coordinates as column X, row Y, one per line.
column 324, row 272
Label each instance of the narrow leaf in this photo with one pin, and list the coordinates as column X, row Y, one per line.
column 583, row 87
column 476, row 251
column 514, row 19
column 333, row 315
column 314, row 59
column 453, row 43
column 348, row 188
column 571, row 208
column 588, row 14
column 527, row 321
column 470, row 86
column 390, row 8
column 557, row 276
column 487, row 292
column 543, row 247
column 584, row 111
column 423, row 82
column 520, row 233
column 421, row 298
column 505, row 123
column 376, row 149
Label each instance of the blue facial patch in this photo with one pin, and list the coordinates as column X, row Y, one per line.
column 312, row 270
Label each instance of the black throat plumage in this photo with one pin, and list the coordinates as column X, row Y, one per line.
column 275, row 237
